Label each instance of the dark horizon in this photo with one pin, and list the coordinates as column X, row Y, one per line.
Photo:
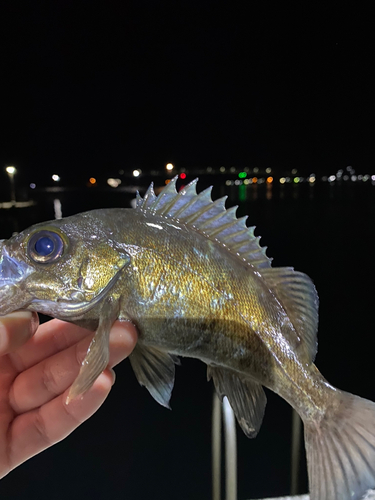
column 90, row 89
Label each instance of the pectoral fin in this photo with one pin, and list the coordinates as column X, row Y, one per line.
column 155, row 370
column 97, row 356
column 245, row 396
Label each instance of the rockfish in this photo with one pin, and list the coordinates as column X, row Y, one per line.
column 196, row 282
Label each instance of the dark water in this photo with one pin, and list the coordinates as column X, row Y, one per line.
column 133, row 448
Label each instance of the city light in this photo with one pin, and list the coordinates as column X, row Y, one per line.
column 136, row 172
column 269, row 180
column 33, row 185
column 113, row 182
column 11, row 170
column 242, row 175
column 169, row 166
column 55, row 177
column 282, row 180
column 268, row 170
column 183, row 175
column 92, row 180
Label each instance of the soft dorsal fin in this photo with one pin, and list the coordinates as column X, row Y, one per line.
column 298, row 296
column 209, row 217
column 295, row 291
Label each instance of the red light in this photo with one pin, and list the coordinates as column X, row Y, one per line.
column 183, row 176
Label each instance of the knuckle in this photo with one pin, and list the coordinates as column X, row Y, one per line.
column 49, row 380
column 41, row 429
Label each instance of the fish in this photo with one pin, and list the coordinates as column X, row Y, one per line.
column 195, row 281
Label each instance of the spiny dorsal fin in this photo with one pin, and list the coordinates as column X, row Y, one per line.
column 299, row 298
column 209, row 217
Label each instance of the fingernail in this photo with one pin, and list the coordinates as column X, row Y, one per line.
column 22, row 314
column 113, row 375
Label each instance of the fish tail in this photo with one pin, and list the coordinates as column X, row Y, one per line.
column 340, row 449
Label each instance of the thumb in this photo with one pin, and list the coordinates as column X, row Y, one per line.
column 16, row 329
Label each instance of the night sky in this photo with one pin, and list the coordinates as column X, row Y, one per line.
column 89, row 87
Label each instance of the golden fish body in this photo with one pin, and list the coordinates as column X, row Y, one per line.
column 195, row 281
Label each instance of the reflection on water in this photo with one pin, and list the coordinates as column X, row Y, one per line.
column 57, row 208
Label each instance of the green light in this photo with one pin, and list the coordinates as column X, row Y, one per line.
column 242, row 175
column 296, row 180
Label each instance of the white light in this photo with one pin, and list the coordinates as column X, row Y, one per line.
column 237, row 182
column 373, row 177
column 113, row 182
column 11, row 170
column 222, row 169
column 332, row 178
column 282, row 180
column 268, row 170
column 346, row 177
column 229, row 183
column 136, row 173
column 209, row 169
column 169, row 166
column 247, row 181
column 353, row 178
column 312, row 179
column 33, row 185
column 256, row 170
column 55, row 177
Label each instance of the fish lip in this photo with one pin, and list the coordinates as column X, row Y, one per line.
column 11, row 270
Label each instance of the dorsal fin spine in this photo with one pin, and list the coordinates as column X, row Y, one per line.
column 214, row 218
column 211, row 218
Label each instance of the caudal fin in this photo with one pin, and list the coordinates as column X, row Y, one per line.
column 340, row 450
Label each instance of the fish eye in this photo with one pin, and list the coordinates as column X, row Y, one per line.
column 45, row 247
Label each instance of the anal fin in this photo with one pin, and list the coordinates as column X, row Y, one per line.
column 245, row 396
column 155, row 370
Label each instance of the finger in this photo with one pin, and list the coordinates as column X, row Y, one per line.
column 122, row 340
column 52, row 337
column 39, row 429
column 49, row 378
column 16, row 329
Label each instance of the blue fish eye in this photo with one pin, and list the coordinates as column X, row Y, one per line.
column 45, row 246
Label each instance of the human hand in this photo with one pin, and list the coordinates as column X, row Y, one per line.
column 38, row 364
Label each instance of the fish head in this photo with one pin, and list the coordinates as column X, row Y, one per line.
column 61, row 268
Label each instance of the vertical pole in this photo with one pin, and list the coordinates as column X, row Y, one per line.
column 216, row 448
column 296, row 450
column 230, row 451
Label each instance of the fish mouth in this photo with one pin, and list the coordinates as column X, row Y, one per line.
column 12, row 272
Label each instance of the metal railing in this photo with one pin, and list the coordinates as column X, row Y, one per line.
column 228, row 422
